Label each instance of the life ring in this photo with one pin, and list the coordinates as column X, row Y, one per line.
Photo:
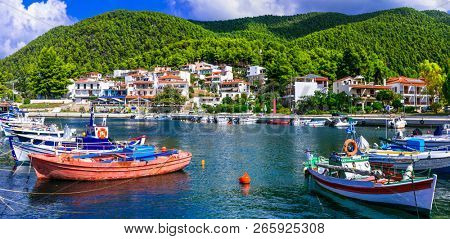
column 353, row 144
column 102, row 133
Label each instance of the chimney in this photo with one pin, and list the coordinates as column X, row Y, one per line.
column 384, row 81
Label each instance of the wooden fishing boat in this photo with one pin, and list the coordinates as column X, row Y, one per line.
column 279, row 121
column 132, row 162
column 352, row 176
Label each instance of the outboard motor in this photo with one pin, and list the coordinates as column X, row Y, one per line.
column 416, row 132
column 438, row 131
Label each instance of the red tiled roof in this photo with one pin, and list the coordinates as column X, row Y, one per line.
column 172, row 82
column 142, row 96
column 170, row 77
column 233, row 82
column 143, row 82
column 406, row 81
column 85, row 80
column 381, row 87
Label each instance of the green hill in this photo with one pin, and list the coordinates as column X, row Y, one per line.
column 377, row 44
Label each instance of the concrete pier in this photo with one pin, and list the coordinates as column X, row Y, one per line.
column 369, row 120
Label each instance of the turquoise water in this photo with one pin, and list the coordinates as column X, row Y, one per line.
column 272, row 155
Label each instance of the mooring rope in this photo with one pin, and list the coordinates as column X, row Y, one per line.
column 65, row 193
column 41, row 208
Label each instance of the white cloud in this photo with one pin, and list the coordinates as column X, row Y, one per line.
column 229, row 9
column 19, row 24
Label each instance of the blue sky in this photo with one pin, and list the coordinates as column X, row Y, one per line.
column 23, row 20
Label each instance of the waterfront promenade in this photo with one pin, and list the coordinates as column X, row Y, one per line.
column 367, row 119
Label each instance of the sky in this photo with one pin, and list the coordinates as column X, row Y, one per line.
column 21, row 21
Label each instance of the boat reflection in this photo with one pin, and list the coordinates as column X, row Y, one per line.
column 80, row 192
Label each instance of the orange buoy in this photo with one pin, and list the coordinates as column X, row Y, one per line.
column 163, row 149
column 245, row 179
column 203, row 163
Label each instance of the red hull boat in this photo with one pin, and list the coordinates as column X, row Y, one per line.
column 279, row 122
column 69, row 167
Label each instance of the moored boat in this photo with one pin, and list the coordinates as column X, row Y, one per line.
column 353, row 177
column 316, row 123
column 139, row 161
column 397, row 123
column 279, row 121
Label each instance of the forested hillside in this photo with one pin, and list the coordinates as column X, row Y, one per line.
column 377, row 44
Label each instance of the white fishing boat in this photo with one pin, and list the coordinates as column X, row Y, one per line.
column 222, row 120
column 51, row 130
column 438, row 140
column 352, row 176
column 343, row 122
column 300, row 122
column 397, row 123
column 316, row 123
column 248, row 120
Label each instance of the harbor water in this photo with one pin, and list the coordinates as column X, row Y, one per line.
column 272, row 155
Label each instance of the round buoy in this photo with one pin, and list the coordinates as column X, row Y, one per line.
column 163, row 149
column 245, row 179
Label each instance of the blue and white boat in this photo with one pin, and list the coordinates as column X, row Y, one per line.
column 439, row 140
column 94, row 140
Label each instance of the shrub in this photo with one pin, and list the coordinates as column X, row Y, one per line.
column 368, row 109
column 410, row 109
column 26, row 101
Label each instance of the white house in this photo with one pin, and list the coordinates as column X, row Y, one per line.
column 256, row 75
column 120, row 73
column 234, row 89
column 86, row 88
column 308, row 85
column 175, row 81
column 358, row 87
column 206, row 100
column 413, row 91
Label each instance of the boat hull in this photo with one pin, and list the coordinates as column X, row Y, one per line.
column 408, row 195
column 437, row 161
column 54, row 167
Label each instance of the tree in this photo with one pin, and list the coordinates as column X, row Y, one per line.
column 170, row 97
column 385, row 96
column 51, row 76
column 432, row 73
column 5, row 92
column 446, row 90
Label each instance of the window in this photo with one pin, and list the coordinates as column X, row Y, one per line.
column 84, row 86
column 78, row 86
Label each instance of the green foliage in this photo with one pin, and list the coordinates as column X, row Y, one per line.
column 377, row 106
column 436, row 106
column 321, row 102
column 432, row 73
column 446, row 90
column 377, row 45
column 50, row 79
column 40, row 105
column 410, row 109
column 26, row 101
column 170, row 97
column 5, row 92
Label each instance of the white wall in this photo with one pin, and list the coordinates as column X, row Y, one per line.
column 304, row 89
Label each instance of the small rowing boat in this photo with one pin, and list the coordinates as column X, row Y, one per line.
column 131, row 162
column 352, row 176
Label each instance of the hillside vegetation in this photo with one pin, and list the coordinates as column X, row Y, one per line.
column 378, row 44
